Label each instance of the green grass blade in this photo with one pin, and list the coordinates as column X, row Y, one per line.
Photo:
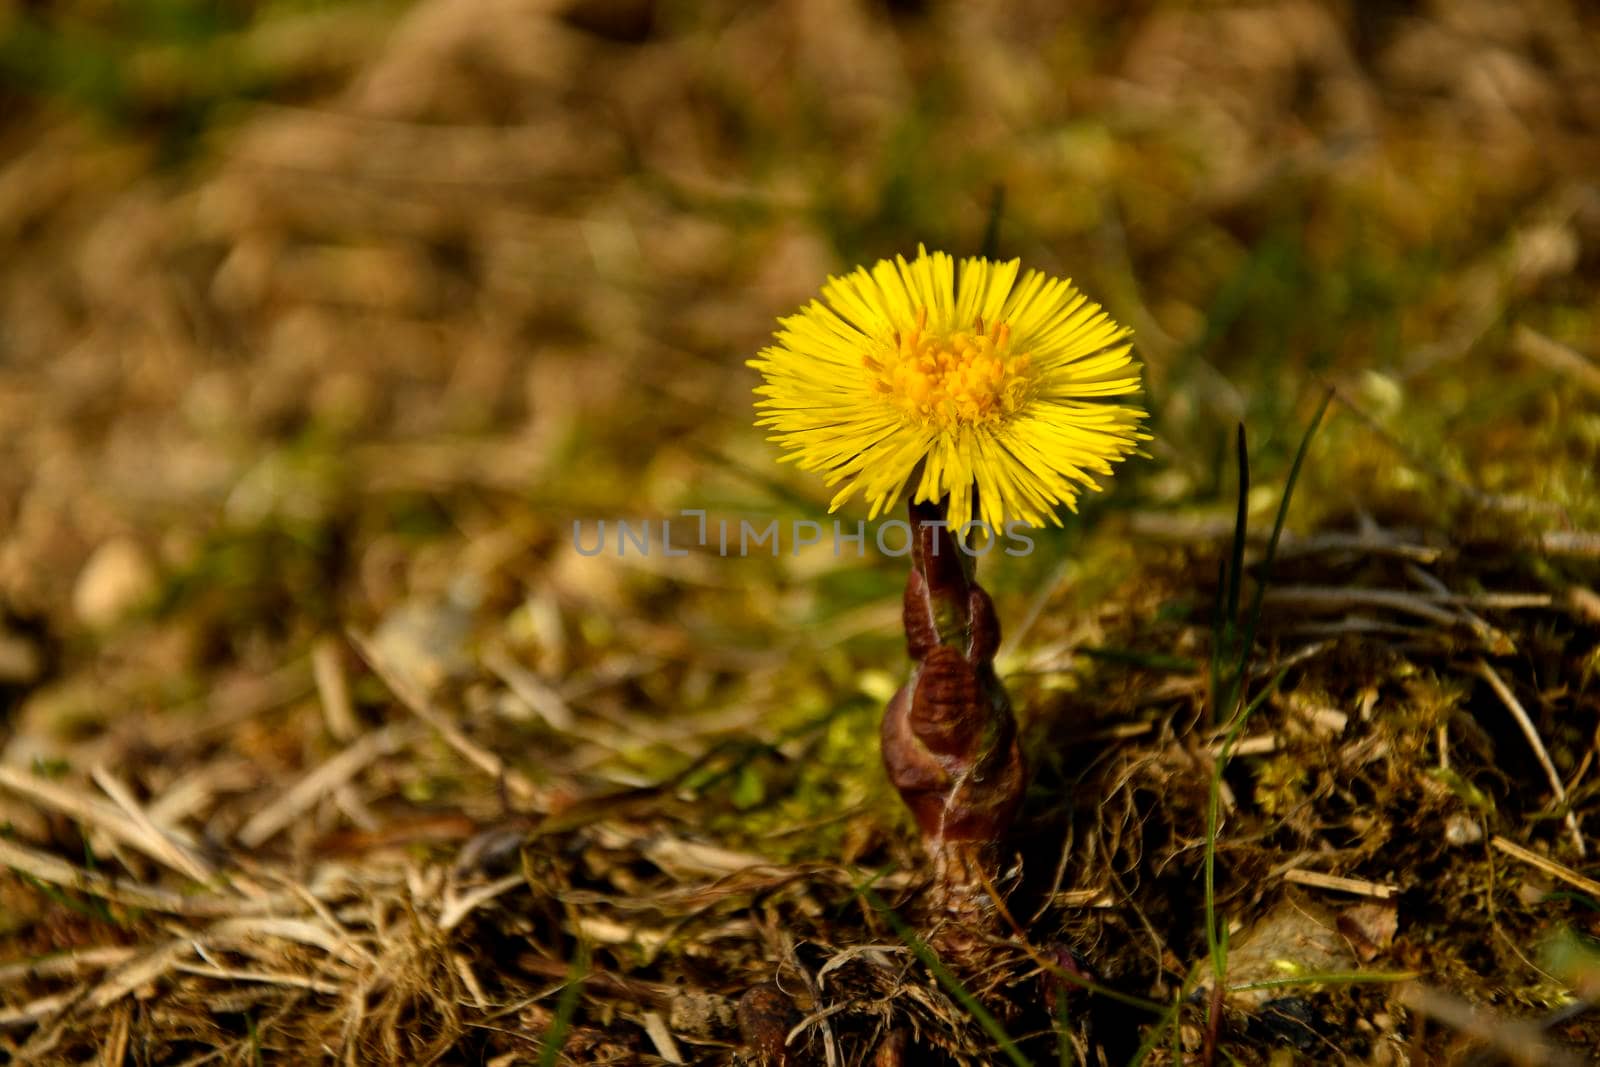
column 1230, row 581
column 1241, row 525
column 1226, row 636
column 1216, row 939
column 1066, row 1055
column 566, row 1007
column 1219, row 637
column 1253, row 622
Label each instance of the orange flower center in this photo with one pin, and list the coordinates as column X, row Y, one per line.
column 965, row 377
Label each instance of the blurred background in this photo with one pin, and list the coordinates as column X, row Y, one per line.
column 319, row 316
column 310, row 310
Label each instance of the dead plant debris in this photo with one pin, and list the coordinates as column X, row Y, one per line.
column 320, row 326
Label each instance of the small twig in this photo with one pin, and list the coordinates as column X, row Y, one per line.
column 139, row 971
column 56, row 871
column 1518, row 712
column 529, row 688
column 1357, row 886
column 419, row 705
column 1012, row 641
column 1548, row 866
column 347, row 945
column 229, row 974
column 469, row 979
column 195, row 792
column 1335, row 597
column 321, row 781
column 114, row 1046
column 830, row 1044
column 333, row 689
column 1371, row 544
column 1581, row 543
column 1259, row 745
column 1428, row 605
column 158, row 842
column 97, row 813
column 211, row 718
column 245, row 931
column 1553, row 355
column 64, row 964
column 1049, row 898
column 35, row 1011
column 457, row 908
column 661, row 1038
column 1495, row 640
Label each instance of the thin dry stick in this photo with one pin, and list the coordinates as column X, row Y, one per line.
column 64, row 964
column 1548, row 866
column 346, row 940
column 241, row 933
column 1531, row 344
column 455, row 909
column 195, row 791
column 1582, row 543
column 114, row 1049
column 1259, row 745
column 1334, row 597
column 1357, row 886
column 1493, row 639
column 529, row 688
column 56, row 871
column 1371, row 543
column 469, row 979
column 192, row 723
column 333, row 689
column 94, row 812
column 830, row 1044
column 140, row 971
column 661, row 1037
column 158, row 841
column 233, row 975
column 35, row 1011
column 316, row 785
column 1067, row 843
column 1428, row 605
column 419, row 705
column 1518, row 712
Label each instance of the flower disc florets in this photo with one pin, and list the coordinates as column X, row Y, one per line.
column 1003, row 391
column 963, row 377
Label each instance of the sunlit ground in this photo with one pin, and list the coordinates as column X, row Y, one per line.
column 321, row 324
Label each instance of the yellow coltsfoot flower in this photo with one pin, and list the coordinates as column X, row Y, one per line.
column 1004, row 391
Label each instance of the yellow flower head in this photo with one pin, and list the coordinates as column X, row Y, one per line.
column 991, row 382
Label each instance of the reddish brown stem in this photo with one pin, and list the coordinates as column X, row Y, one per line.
column 949, row 738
